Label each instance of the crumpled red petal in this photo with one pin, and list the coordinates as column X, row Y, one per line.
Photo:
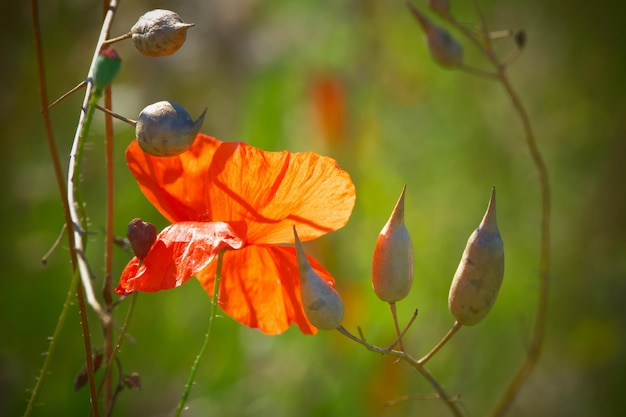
column 260, row 287
column 179, row 252
column 228, row 181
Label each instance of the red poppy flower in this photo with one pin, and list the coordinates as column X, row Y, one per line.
column 226, row 195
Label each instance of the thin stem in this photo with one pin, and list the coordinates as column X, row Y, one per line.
column 538, row 336
column 43, row 99
column 117, row 116
column 53, row 341
column 394, row 315
column 82, row 309
column 69, row 93
column 205, row 344
column 117, row 39
column 455, row 328
column 406, row 328
column 536, row 342
column 452, row 404
column 73, row 174
column 107, row 287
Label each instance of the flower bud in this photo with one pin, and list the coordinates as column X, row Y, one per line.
column 166, row 129
column 107, row 66
column 159, row 33
column 478, row 278
column 141, row 236
column 322, row 303
column 444, row 49
column 392, row 264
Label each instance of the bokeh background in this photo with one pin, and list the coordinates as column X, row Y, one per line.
column 264, row 70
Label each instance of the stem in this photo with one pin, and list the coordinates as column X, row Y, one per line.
column 205, row 344
column 452, row 404
column 536, row 342
column 455, row 328
column 539, row 329
column 394, row 314
column 107, row 288
column 84, row 323
column 74, row 163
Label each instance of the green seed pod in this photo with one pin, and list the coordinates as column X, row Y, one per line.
column 166, row 129
column 444, row 49
column 159, row 33
column 478, row 278
column 392, row 263
column 322, row 303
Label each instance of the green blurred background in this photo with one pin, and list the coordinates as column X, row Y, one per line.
column 259, row 67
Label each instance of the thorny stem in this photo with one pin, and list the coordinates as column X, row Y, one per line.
column 70, row 235
column 84, row 323
column 538, row 336
column 205, row 343
column 452, row 404
column 455, row 328
column 73, row 174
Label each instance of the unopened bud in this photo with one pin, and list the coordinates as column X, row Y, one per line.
column 141, row 236
column 166, row 129
column 392, row 264
column 478, row 278
column 444, row 49
column 107, row 66
column 159, row 33
column 322, row 303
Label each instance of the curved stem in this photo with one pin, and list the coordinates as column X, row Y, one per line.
column 455, row 328
column 454, row 406
column 205, row 344
column 538, row 335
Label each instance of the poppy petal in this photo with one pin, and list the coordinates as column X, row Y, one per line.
column 177, row 186
column 179, row 252
column 260, row 287
column 270, row 191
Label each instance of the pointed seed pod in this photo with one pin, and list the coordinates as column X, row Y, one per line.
column 166, row 129
column 392, row 263
column 444, row 49
column 478, row 278
column 159, row 33
column 141, row 236
column 322, row 303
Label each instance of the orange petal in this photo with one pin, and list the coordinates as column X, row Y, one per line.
column 260, row 287
column 177, row 186
column 270, row 191
column 179, row 252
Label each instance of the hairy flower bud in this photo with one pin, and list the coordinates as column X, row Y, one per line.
column 159, row 33
column 166, row 129
column 107, row 66
column 392, row 264
column 444, row 49
column 478, row 278
column 141, row 236
column 322, row 303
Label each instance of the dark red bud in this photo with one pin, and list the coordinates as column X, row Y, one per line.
column 141, row 236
